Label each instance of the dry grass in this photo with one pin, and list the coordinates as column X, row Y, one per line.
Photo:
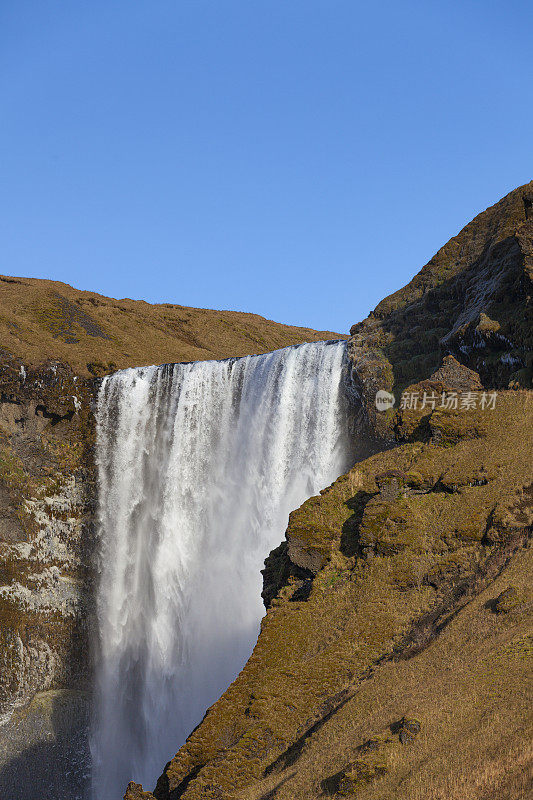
column 505, row 777
column 42, row 319
column 471, row 690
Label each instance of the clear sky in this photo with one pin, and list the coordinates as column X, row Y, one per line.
column 296, row 158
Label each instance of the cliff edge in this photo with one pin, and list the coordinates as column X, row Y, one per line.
column 472, row 300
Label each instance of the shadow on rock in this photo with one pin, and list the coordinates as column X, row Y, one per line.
column 57, row 762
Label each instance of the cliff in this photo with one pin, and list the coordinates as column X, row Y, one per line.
column 56, row 341
column 395, row 656
column 471, row 300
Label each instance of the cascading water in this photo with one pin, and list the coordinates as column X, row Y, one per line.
column 199, row 466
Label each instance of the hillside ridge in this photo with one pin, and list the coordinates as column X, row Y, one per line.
column 44, row 320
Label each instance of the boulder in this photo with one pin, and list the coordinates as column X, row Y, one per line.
column 409, row 729
column 507, row 600
column 456, row 376
column 135, row 792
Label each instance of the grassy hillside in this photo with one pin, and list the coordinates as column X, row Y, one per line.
column 42, row 319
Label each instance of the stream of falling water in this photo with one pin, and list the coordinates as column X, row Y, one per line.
column 199, row 466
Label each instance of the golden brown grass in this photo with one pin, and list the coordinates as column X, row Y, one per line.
column 471, row 690
column 41, row 319
column 508, row 775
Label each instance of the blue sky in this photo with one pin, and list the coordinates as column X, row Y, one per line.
column 296, row 158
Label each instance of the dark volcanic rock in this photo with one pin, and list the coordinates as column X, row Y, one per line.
column 278, row 571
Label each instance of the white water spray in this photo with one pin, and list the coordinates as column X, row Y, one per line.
column 199, row 466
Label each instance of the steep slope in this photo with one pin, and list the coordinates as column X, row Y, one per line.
column 93, row 334
column 395, row 656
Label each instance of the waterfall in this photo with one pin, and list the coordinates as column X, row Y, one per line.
column 199, row 466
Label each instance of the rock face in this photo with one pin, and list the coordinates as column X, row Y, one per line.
column 471, row 301
column 381, row 669
column 47, row 503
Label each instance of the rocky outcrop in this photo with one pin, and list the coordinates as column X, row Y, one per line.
column 373, row 760
column 135, row 792
column 472, row 300
column 507, row 600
